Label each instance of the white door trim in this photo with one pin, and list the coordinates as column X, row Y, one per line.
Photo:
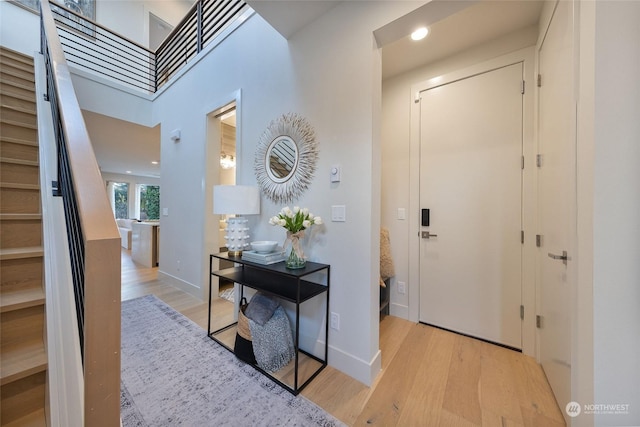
column 526, row 56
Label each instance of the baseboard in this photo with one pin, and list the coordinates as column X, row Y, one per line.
column 180, row 284
column 361, row 370
column 399, row 310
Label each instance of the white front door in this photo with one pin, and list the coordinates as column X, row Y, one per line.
column 471, row 134
column 557, row 199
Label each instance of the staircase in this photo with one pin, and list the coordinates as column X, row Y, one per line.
column 23, row 360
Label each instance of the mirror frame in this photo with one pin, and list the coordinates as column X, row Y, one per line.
column 299, row 131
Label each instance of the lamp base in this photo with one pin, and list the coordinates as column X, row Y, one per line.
column 234, row 254
column 237, row 236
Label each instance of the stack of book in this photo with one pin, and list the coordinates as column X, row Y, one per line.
column 265, row 259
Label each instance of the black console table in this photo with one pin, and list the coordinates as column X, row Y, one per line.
column 289, row 285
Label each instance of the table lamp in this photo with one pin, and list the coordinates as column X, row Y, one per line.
column 236, row 200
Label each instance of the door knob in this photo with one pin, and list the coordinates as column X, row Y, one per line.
column 427, row 235
column 564, row 257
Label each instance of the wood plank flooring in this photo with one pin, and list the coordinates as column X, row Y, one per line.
column 429, row 377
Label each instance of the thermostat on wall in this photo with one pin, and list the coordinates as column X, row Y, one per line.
column 336, row 171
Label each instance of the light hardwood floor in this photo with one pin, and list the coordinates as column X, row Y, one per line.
column 429, row 377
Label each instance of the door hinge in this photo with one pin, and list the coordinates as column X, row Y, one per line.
column 539, row 160
column 539, row 80
column 522, row 312
column 521, row 236
column 522, row 165
column 417, row 98
column 538, row 321
column 522, row 87
column 538, row 240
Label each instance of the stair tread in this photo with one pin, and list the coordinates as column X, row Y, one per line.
column 13, row 253
column 19, row 361
column 15, row 123
column 19, row 186
column 20, row 298
column 16, row 63
column 34, row 419
column 27, row 98
column 19, row 216
column 19, row 161
column 18, row 141
column 27, row 87
column 15, row 55
column 30, row 111
column 19, row 73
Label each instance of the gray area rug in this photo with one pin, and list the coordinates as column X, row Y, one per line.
column 173, row 374
column 228, row 294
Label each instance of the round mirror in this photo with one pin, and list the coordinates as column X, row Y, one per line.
column 286, row 158
column 282, row 159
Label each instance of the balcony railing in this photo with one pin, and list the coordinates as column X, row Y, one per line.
column 94, row 48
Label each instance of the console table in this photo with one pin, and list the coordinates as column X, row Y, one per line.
column 295, row 286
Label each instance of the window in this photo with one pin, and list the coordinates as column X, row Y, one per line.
column 121, row 199
column 149, row 202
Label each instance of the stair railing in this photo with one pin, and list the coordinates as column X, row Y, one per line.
column 93, row 237
column 99, row 50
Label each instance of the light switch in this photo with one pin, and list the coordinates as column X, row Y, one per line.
column 402, row 214
column 165, row 211
column 338, row 213
column 336, row 172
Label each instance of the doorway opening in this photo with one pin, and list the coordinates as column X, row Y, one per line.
column 158, row 31
column 221, row 159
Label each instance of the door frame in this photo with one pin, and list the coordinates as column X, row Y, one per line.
column 529, row 193
column 211, row 160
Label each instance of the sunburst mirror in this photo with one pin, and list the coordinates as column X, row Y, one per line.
column 286, row 158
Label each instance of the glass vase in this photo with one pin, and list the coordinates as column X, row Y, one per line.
column 295, row 261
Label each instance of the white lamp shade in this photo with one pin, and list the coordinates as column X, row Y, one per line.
column 236, row 199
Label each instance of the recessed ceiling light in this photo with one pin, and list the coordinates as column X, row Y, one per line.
column 420, row 33
column 154, row 162
column 128, row 171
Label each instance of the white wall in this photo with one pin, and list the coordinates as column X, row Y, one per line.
column 131, row 18
column 19, row 28
column 330, row 73
column 396, row 113
column 616, row 210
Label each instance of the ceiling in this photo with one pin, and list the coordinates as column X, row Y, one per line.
column 289, row 16
column 122, row 146
column 482, row 21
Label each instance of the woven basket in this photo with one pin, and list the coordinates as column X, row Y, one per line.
column 243, row 323
column 243, row 347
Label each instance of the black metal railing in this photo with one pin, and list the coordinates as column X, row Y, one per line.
column 205, row 20
column 66, row 189
column 97, row 49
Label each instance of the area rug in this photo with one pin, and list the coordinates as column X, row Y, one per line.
column 228, row 294
column 173, row 374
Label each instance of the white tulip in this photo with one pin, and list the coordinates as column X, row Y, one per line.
column 305, row 211
column 306, row 223
column 317, row 220
column 282, row 222
column 296, row 209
